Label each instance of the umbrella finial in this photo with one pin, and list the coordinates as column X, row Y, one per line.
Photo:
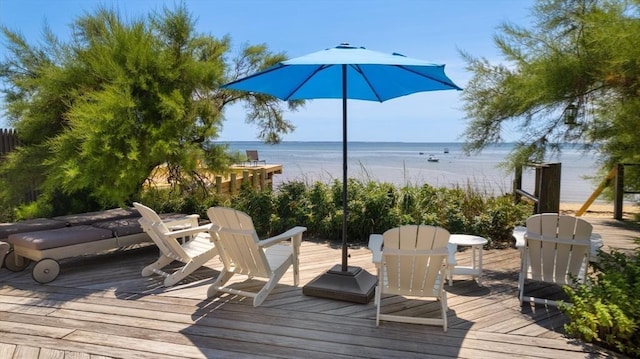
column 345, row 45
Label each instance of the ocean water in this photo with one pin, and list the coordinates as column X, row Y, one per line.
column 406, row 163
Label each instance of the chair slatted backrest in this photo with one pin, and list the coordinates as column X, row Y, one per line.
column 413, row 260
column 252, row 155
column 558, row 247
column 153, row 225
column 238, row 243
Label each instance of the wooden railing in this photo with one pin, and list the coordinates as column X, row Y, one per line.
column 620, row 189
column 546, row 193
column 258, row 177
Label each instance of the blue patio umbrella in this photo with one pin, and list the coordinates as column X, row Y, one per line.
column 346, row 72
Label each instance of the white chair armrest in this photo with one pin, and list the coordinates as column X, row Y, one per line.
column 188, row 231
column 452, row 248
column 291, row 233
column 375, row 246
column 518, row 235
column 596, row 244
column 190, row 220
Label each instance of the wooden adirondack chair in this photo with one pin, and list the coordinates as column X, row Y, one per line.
column 195, row 250
column 242, row 252
column 412, row 261
column 556, row 250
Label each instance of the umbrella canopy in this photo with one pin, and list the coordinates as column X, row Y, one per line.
column 370, row 75
column 346, row 72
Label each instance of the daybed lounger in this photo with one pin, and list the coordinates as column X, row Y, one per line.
column 47, row 247
column 4, row 249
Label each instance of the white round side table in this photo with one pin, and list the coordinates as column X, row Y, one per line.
column 476, row 243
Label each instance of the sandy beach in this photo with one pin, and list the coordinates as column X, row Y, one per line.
column 602, row 210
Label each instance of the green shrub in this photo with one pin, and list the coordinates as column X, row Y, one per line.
column 260, row 206
column 375, row 207
column 174, row 201
column 34, row 209
column 322, row 209
column 606, row 308
column 496, row 221
column 292, row 206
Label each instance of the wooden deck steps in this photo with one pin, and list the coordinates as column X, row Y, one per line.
column 100, row 307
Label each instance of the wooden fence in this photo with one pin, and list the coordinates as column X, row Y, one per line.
column 8, row 141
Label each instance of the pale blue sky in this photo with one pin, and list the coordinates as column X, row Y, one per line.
column 426, row 29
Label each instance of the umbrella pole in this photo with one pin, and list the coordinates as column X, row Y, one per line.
column 351, row 284
column 344, row 170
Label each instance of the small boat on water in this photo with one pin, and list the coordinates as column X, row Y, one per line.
column 446, row 150
column 432, row 158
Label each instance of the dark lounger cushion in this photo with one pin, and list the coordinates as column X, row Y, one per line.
column 92, row 217
column 121, row 227
column 129, row 226
column 30, row 225
column 62, row 237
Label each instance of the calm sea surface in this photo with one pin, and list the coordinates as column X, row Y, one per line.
column 406, row 163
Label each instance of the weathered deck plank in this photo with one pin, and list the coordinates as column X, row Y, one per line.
column 100, row 307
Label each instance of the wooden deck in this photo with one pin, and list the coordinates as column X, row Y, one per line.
column 101, row 307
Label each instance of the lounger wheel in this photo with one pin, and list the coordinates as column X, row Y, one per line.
column 16, row 263
column 45, row 270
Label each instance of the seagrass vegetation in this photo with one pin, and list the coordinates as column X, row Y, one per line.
column 373, row 207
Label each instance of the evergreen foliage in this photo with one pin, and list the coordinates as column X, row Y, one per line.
column 96, row 114
column 580, row 52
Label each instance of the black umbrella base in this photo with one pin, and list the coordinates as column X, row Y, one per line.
column 355, row 285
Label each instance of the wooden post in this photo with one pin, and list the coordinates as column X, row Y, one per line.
column 618, row 192
column 517, row 184
column 245, row 177
column 536, row 188
column 232, row 183
column 254, row 179
column 218, row 184
column 549, row 188
column 263, row 178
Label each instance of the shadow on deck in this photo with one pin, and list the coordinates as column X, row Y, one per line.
column 101, row 306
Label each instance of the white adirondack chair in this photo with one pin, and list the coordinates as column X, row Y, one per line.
column 556, row 250
column 242, row 252
column 178, row 240
column 412, row 261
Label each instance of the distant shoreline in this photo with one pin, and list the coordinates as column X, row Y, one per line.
column 401, row 163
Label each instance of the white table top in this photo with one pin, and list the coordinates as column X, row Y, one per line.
column 467, row 240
